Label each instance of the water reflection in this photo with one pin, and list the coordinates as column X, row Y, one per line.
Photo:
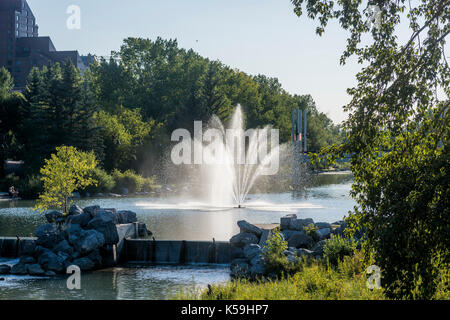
column 131, row 283
column 177, row 218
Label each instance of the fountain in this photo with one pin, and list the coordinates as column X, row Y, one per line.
column 234, row 159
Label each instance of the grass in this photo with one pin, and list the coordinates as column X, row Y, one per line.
column 315, row 281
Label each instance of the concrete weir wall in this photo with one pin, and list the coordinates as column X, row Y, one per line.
column 177, row 252
column 11, row 247
column 139, row 250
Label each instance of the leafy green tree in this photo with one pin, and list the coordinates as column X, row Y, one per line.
column 65, row 172
column 123, row 135
column 398, row 130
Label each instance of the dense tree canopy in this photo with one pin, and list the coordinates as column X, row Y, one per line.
column 398, row 135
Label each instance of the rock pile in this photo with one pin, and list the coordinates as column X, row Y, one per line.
column 304, row 237
column 82, row 238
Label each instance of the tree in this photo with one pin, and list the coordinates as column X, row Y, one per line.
column 398, row 135
column 65, row 172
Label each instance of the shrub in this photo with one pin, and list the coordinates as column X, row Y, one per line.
column 106, row 182
column 276, row 262
column 336, row 248
column 127, row 179
column 311, row 231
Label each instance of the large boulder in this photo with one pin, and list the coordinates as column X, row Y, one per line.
column 304, row 252
column 27, row 260
column 19, row 269
column 35, row 270
column 105, row 223
column 4, row 269
column 126, row 216
column 299, row 224
column 252, row 250
column 242, row 239
column 317, row 249
column 50, row 261
column 48, row 235
column 287, row 234
column 266, row 234
column 247, row 227
column 74, row 210
column 81, row 219
column 87, row 241
column 237, row 253
column 63, row 246
column 285, row 222
column 322, row 225
column 52, row 216
column 92, row 210
column 323, row 233
column 85, row 264
column 300, row 240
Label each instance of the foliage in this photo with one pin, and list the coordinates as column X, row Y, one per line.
column 65, row 172
column 310, row 230
column 131, row 181
column 123, row 135
column 314, row 281
column 174, row 87
column 105, row 182
column 336, row 248
column 398, row 136
column 276, row 262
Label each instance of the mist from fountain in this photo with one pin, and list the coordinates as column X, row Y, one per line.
column 233, row 165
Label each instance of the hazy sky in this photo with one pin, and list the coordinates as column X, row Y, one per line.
column 255, row 36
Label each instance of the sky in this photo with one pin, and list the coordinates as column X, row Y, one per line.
column 254, row 36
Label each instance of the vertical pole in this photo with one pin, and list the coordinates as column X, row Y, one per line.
column 305, row 127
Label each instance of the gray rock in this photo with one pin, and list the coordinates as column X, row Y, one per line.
column 71, row 229
column 74, row 210
column 285, row 222
column 142, row 230
column 299, row 224
column 48, row 235
column 85, row 264
column 125, row 191
column 266, row 234
column 287, row 234
column 237, row 253
column 300, row 240
column 52, row 216
column 317, row 249
column 4, row 269
column 19, row 269
column 247, row 227
column 242, row 239
column 88, row 241
column 323, row 225
column 35, row 270
column 304, row 252
column 126, row 216
column 63, row 246
column 27, row 260
column 252, row 250
column 323, row 233
column 50, row 261
column 96, row 258
column 258, row 266
column 92, row 210
column 81, row 219
column 105, row 223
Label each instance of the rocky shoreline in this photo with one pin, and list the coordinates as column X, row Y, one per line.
column 304, row 238
column 85, row 237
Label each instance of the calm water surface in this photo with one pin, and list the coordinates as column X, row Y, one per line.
column 171, row 218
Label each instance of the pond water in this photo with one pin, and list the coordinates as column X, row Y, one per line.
column 171, row 218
